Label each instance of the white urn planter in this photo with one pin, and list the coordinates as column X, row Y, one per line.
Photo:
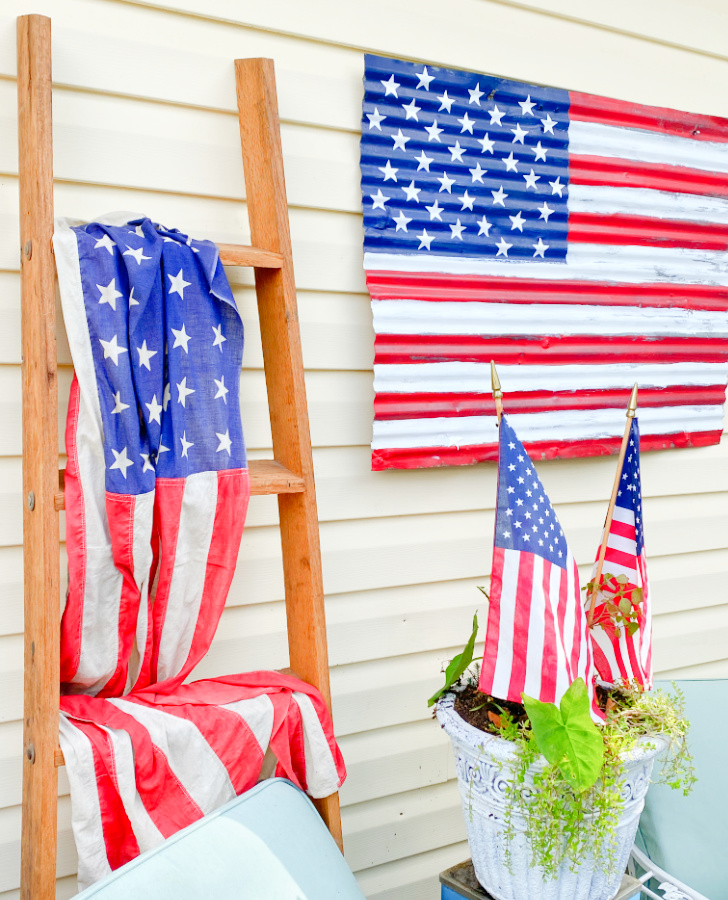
column 485, row 764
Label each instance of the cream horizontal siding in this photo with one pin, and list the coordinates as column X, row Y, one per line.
column 144, row 119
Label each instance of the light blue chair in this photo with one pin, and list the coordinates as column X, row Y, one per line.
column 688, row 836
column 268, row 844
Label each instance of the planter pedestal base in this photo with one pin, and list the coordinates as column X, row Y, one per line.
column 460, row 883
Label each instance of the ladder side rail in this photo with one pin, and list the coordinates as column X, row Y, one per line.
column 40, row 461
column 283, row 362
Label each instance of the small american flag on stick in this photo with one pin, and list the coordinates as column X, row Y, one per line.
column 536, row 641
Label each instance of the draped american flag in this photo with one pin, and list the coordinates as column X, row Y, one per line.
column 156, row 492
column 619, row 655
column 536, row 639
column 578, row 241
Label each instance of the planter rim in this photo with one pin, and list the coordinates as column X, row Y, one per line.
column 460, row 731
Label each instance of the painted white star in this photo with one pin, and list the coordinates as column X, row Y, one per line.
column 511, row 162
column 219, row 337
column 112, row 349
column 105, row 241
column 109, row 294
column 145, row 355
column 477, row 173
column 425, row 240
column 185, row 444
column 155, row 411
column 167, row 396
column 132, row 301
column 399, row 140
column 184, row 392
column 425, row 79
column 225, row 442
column 424, row 161
column 540, row 248
column 181, row 338
column 375, row 119
column 456, row 152
column 520, row 134
column 557, row 187
column 475, row 94
column 178, row 284
column 484, row 226
column 433, row 131
column 467, row 201
column 435, row 211
column 499, row 196
column 390, row 86
column 531, row 180
column 412, row 192
column 517, row 221
column 540, row 152
column 120, row 407
column 503, row 247
column 487, row 144
column 378, row 200
column 445, row 102
column 137, row 254
column 548, row 124
column 544, row 211
column 467, row 124
column 402, row 221
column 457, row 230
column 147, row 464
column 495, row 116
column 222, row 391
column 527, row 106
column 411, row 109
column 389, row 171
column 446, row 183
column 121, row 461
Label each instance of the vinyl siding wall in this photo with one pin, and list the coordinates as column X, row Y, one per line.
column 145, row 120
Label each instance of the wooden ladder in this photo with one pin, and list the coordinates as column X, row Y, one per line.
column 289, row 474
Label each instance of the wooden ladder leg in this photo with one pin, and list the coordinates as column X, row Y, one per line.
column 40, row 462
column 281, row 340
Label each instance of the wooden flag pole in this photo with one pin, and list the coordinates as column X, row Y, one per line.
column 497, row 392
column 631, row 411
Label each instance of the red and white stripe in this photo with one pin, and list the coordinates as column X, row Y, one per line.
column 643, row 296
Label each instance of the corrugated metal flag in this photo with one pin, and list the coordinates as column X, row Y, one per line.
column 618, row 654
column 156, row 493
column 536, row 640
column 580, row 242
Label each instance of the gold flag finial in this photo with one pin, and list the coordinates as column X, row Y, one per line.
column 632, row 408
column 495, row 382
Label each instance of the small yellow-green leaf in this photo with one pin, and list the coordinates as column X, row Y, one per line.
column 458, row 664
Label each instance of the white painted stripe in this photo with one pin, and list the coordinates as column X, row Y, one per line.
column 451, row 377
column 584, row 198
column 322, row 779
column 257, row 713
column 195, row 764
column 142, row 558
column 595, row 139
column 564, row 425
column 497, row 319
column 584, row 262
column 197, row 520
column 536, row 629
column 507, row 606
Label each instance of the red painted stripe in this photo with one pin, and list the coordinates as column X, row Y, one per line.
column 392, row 349
column 120, row 516
column 422, row 405
column 490, row 651
column 233, row 492
column 549, row 657
column 482, row 288
column 430, row 457
column 590, row 108
column 604, row 171
column 622, row 230
column 521, row 627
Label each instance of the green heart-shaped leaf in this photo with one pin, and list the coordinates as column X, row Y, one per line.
column 567, row 736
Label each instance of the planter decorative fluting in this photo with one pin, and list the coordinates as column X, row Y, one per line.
column 485, row 766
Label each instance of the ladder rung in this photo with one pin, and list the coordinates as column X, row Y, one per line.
column 266, row 477
column 242, row 255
